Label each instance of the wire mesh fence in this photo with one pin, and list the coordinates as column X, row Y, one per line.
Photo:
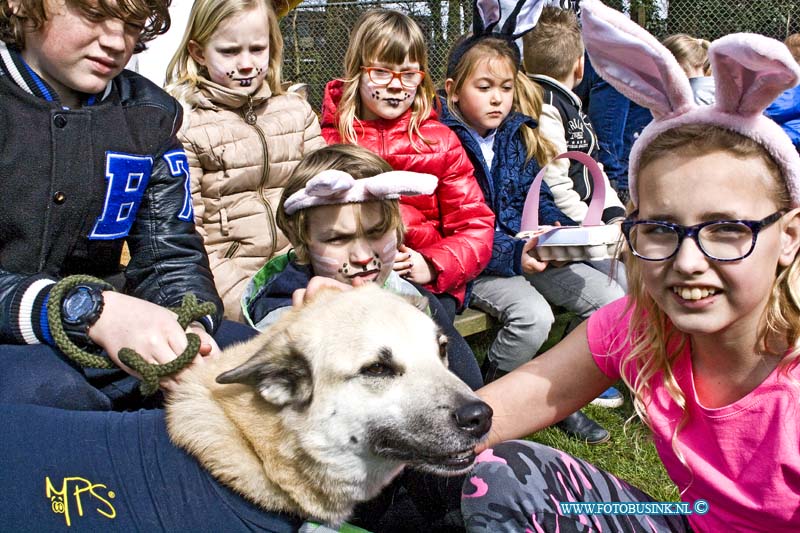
column 316, row 32
column 711, row 19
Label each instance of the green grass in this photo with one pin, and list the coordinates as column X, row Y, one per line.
column 630, row 454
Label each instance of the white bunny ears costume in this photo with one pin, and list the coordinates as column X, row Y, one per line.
column 750, row 71
column 335, row 187
column 518, row 17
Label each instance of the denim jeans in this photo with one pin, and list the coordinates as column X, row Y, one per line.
column 522, row 305
column 615, row 269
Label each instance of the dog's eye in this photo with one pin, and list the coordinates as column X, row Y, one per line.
column 378, row 370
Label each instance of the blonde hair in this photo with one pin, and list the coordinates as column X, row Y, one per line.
column 183, row 72
column 527, row 95
column 555, row 45
column 651, row 332
column 388, row 37
column 691, row 52
column 32, row 15
column 356, row 161
column 792, row 42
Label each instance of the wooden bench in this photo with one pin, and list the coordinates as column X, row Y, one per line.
column 473, row 321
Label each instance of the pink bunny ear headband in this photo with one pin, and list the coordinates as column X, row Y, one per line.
column 335, row 187
column 750, row 71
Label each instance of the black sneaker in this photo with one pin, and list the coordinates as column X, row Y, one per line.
column 581, row 427
column 490, row 372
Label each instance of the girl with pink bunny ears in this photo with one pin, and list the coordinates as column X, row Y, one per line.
column 708, row 340
column 341, row 212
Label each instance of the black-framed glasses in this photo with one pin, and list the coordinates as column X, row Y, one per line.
column 720, row 240
column 409, row 79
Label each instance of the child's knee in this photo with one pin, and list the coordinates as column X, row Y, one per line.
column 530, row 314
column 498, row 488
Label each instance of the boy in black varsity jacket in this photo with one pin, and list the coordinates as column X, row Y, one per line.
column 90, row 161
column 553, row 58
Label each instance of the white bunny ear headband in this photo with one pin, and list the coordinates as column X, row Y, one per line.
column 515, row 18
column 750, row 71
column 335, row 187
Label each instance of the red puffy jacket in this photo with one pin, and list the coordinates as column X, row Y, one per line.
column 453, row 228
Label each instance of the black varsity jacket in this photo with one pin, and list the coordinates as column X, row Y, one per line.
column 77, row 183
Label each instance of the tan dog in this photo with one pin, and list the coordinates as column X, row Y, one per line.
column 323, row 409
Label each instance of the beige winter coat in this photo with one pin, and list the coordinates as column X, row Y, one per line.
column 235, row 195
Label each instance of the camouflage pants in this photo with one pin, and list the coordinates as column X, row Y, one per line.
column 517, row 486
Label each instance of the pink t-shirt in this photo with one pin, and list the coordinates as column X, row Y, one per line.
column 744, row 457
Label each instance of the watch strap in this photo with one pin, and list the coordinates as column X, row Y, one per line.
column 78, row 329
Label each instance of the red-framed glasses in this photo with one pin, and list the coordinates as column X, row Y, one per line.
column 409, row 79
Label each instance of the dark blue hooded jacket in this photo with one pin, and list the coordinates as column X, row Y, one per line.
column 505, row 187
column 785, row 110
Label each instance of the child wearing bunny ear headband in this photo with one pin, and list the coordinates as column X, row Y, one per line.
column 498, row 115
column 709, row 339
column 341, row 213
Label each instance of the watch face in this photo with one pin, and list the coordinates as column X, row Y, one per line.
column 78, row 305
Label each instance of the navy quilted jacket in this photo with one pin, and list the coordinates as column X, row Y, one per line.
column 505, row 187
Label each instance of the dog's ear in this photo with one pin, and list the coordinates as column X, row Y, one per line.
column 282, row 379
column 420, row 302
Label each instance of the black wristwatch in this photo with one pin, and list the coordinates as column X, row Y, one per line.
column 80, row 309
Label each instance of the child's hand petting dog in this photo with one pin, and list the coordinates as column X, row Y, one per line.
column 300, row 297
column 208, row 346
column 153, row 331
column 208, row 350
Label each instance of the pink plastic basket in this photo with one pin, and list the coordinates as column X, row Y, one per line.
column 592, row 241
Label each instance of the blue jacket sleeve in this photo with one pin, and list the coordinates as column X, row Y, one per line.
column 785, row 110
column 792, row 129
column 506, row 256
column 786, row 107
column 507, row 250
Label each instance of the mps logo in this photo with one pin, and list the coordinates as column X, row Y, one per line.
column 76, row 495
column 127, row 176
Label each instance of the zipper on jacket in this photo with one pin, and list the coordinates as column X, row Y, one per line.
column 586, row 176
column 250, row 117
column 383, row 142
column 232, row 249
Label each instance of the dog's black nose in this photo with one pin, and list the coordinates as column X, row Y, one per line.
column 474, row 418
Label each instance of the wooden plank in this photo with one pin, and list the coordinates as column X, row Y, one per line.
column 473, row 321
